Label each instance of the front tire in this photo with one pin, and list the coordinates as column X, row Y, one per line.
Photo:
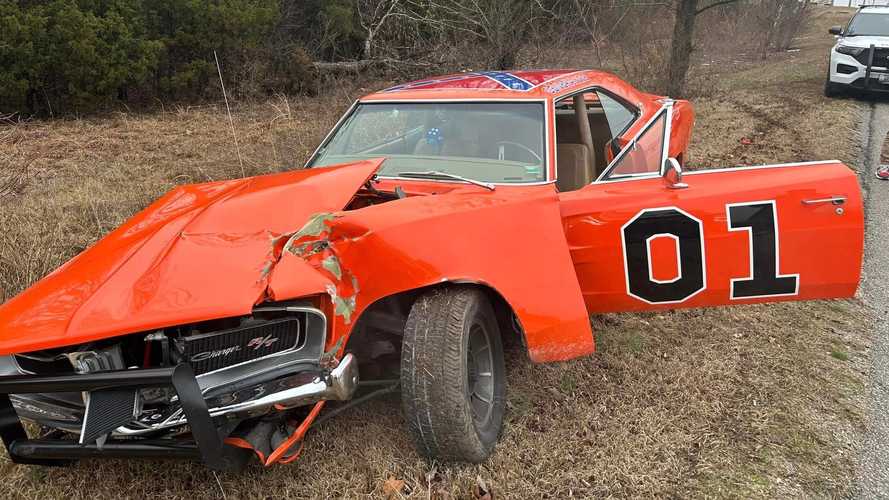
column 832, row 89
column 453, row 379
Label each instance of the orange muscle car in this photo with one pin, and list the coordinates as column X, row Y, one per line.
column 437, row 219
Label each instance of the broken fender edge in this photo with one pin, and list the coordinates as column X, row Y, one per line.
column 511, row 243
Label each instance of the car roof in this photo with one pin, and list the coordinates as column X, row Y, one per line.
column 874, row 9
column 510, row 85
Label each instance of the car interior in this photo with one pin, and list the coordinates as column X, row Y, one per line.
column 493, row 142
column 472, row 130
column 583, row 147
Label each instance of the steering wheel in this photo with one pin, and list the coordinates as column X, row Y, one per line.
column 520, row 146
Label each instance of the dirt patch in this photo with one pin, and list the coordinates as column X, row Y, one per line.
column 749, row 401
column 774, row 111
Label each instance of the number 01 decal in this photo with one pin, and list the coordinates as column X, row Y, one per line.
column 759, row 219
column 688, row 231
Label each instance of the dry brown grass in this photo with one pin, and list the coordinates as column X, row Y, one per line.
column 777, row 104
column 749, row 401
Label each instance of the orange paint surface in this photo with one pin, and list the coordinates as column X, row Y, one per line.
column 216, row 250
column 594, row 216
column 664, row 255
column 201, row 252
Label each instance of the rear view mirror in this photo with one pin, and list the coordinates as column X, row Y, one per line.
column 835, row 30
column 673, row 174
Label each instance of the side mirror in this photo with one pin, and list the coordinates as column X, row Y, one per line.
column 673, row 174
column 835, row 30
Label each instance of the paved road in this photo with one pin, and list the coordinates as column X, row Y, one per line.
column 874, row 473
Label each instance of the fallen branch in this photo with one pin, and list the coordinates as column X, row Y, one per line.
column 365, row 64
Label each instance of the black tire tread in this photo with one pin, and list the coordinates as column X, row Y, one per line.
column 433, row 374
column 832, row 90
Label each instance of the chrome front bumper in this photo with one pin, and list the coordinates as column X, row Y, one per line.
column 339, row 383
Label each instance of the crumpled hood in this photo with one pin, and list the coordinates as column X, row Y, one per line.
column 200, row 252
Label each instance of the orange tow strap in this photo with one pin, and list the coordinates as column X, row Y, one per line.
column 296, row 436
column 278, row 455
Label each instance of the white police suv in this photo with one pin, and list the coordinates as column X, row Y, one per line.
column 860, row 58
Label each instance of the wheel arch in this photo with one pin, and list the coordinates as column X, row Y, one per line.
column 387, row 314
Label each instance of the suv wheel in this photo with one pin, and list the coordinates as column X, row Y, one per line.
column 453, row 384
column 832, row 89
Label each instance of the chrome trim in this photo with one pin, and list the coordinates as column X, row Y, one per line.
column 10, row 366
column 336, row 127
column 310, row 353
column 836, row 200
column 730, row 169
column 340, row 385
column 40, row 410
column 295, row 347
column 759, row 167
column 255, row 367
column 667, row 109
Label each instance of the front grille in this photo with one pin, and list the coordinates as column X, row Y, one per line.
column 107, row 410
column 213, row 351
column 881, row 57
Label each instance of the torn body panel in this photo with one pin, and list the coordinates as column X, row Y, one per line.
column 201, row 252
column 509, row 240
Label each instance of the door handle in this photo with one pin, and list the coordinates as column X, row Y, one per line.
column 834, row 200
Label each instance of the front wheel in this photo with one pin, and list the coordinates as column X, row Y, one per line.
column 453, row 380
column 832, row 89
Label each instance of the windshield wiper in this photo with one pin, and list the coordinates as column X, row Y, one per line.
column 433, row 174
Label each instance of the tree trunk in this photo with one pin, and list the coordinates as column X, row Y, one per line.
column 506, row 59
column 680, row 52
column 368, row 45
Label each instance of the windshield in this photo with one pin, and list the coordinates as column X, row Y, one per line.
column 871, row 24
column 500, row 142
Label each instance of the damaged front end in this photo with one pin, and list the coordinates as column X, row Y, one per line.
column 218, row 322
column 202, row 391
column 166, row 339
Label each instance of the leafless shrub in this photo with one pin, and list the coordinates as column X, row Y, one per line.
column 781, row 20
column 13, row 170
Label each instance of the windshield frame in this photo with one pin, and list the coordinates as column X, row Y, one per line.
column 665, row 109
column 549, row 177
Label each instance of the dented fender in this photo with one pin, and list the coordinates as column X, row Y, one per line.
column 201, row 252
column 509, row 240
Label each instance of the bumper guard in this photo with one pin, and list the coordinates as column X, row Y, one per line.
column 207, row 445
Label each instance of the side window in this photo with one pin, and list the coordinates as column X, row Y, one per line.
column 644, row 154
column 586, row 125
column 618, row 115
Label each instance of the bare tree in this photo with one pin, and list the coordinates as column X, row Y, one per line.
column 681, row 48
column 503, row 25
column 779, row 22
column 599, row 20
column 373, row 15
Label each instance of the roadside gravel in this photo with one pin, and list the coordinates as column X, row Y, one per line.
column 874, row 473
